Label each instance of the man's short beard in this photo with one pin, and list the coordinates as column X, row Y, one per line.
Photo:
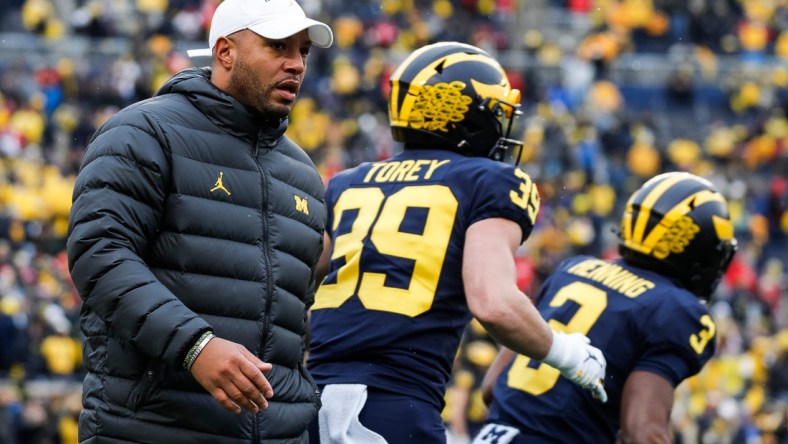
column 244, row 84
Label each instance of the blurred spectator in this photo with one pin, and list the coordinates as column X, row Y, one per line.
column 8, row 333
column 10, row 412
column 61, row 351
column 777, row 385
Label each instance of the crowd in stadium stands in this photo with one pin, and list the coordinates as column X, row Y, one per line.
column 591, row 135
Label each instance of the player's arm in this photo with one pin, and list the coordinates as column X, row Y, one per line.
column 645, row 409
column 503, row 358
column 490, row 281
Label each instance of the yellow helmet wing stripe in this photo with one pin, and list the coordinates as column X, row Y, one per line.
column 425, row 75
column 679, row 210
column 648, row 202
column 405, row 65
column 502, row 89
column 723, row 227
column 395, row 81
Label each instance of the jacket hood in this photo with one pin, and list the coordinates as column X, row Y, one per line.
column 221, row 108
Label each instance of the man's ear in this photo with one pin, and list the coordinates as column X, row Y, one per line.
column 225, row 51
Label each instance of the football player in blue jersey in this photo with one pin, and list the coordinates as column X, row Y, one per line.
column 644, row 311
column 419, row 244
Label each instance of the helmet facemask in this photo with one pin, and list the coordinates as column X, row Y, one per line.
column 506, row 149
column 705, row 278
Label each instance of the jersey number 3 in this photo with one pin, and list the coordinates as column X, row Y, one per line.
column 536, row 380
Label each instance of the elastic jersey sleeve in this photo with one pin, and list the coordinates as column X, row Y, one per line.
column 680, row 341
column 504, row 191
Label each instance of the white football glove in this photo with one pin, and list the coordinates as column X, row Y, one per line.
column 580, row 362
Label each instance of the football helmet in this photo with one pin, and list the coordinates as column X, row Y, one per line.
column 454, row 95
column 678, row 224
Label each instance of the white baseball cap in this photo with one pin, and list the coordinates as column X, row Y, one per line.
column 273, row 19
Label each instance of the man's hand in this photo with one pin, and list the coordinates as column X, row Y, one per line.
column 233, row 375
column 580, row 362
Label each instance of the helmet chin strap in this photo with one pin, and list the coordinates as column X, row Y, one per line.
column 502, row 146
column 498, row 151
column 464, row 148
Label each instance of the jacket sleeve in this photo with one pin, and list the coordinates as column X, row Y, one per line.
column 118, row 201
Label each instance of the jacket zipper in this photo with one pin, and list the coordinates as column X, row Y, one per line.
column 267, row 258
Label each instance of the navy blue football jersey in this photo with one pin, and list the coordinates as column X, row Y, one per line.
column 392, row 309
column 640, row 320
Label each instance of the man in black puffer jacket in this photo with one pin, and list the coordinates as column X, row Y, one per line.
column 193, row 237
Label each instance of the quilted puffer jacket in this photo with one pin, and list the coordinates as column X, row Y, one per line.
column 192, row 213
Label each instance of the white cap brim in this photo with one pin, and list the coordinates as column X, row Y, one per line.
column 319, row 33
column 204, row 52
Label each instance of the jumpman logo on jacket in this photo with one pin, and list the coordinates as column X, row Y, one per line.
column 219, row 185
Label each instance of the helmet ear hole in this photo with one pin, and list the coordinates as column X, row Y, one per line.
column 473, row 128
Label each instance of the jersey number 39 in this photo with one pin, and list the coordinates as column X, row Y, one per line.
column 380, row 218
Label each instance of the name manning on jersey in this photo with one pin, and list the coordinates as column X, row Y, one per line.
column 405, row 171
column 613, row 277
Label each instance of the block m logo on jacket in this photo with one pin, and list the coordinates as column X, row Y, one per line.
column 301, row 204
